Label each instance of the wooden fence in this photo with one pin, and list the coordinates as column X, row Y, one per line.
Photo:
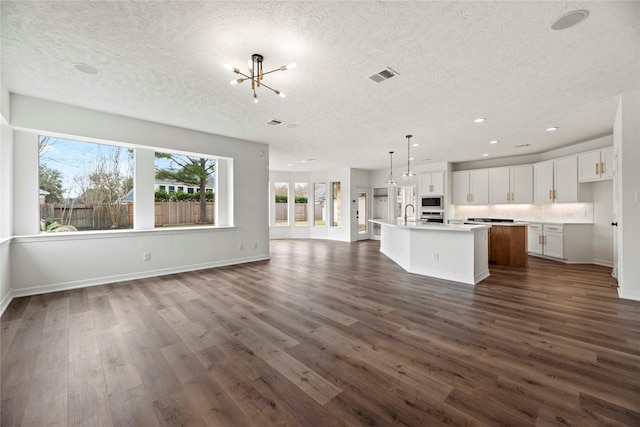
column 299, row 209
column 84, row 217
column 97, row 217
column 181, row 213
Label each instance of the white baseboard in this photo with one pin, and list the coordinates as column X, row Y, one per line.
column 4, row 303
column 629, row 295
column 603, row 263
column 15, row 293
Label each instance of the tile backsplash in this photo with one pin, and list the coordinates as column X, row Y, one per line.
column 553, row 212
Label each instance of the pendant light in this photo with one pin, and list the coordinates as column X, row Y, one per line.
column 408, row 174
column 390, row 180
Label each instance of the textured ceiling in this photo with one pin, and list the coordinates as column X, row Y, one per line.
column 163, row 61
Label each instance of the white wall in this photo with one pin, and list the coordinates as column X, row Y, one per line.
column 626, row 133
column 6, row 203
column 41, row 263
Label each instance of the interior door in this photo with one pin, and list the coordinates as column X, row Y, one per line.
column 362, row 214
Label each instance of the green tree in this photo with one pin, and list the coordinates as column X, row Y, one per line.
column 51, row 181
column 190, row 171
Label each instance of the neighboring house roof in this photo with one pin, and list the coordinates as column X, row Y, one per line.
column 129, row 197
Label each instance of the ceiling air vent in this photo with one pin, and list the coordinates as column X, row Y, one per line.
column 523, row 145
column 274, row 122
column 383, row 75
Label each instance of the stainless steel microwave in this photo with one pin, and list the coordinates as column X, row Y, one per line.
column 431, row 202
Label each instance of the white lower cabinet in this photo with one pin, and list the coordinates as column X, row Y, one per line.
column 567, row 242
column 553, row 241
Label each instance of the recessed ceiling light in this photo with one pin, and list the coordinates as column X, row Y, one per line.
column 289, row 164
column 551, row 129
column 86, row 68
column 304, row 161
column 415, row 145
column 411, row 158
column 485, row 155
column 495, row 141
column 480, row 120
column 569, row 20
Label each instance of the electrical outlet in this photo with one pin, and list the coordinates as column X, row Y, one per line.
column 240, row 247
column 436, row 256
column 146, row 256
column 254, row 245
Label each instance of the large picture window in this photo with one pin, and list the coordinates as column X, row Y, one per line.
column 184, row 190
column 84, row 186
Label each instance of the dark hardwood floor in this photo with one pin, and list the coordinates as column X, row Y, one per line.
column 326, row 334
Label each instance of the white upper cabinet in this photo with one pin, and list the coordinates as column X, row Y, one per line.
column 596, row 165
column 511, row 185
column 470, row 187
column 432, row 183
column 556, row 181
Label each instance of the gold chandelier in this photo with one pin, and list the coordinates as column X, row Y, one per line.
column 257, row 74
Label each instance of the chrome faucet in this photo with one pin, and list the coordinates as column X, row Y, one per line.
column 405, row 211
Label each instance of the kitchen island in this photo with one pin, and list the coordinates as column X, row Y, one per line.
column 451, row 252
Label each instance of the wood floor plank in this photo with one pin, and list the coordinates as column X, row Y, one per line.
column 119, row 369
column 88, row 398
column 51, row 412
column 300, row 375
column 132, row 407
column 156, row 374
column 326, row 334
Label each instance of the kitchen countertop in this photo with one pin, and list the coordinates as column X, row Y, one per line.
column 418, row 225
column 501, row 224
column 529, row 222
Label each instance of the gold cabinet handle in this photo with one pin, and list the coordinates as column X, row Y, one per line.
column 471, row 197
column 512, row 196
column 508, row 199
column 550, row 194
column 601, row 168
column 597, row 169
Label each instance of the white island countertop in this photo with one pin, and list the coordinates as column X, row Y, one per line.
column 418, row 225
column 457, row 252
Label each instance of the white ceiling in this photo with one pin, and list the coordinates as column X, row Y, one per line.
column 164, row 61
